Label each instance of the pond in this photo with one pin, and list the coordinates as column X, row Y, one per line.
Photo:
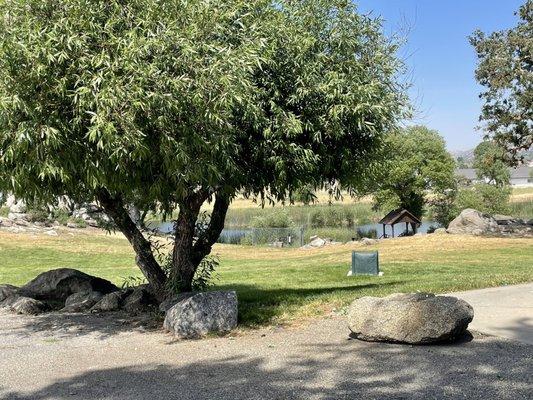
column 265, row 235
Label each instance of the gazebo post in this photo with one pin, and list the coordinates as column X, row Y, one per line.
column 406, row 228
column 384, row 235
column 392, row 226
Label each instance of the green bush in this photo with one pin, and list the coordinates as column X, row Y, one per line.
column 38, row 215
column 61, row 216
column 4, row 211
column 486, row 198
column 332, row 217
column 278, row 219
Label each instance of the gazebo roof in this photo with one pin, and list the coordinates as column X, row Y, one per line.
column 399, row 215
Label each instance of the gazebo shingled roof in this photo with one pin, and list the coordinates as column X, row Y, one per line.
column 399, row 215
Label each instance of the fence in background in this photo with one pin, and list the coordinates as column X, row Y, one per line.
column 286, row 237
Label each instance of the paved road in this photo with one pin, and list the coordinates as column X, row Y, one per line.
column 89, row 357
column 503, row 311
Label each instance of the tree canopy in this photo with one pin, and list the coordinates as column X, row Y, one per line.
column 168, row 104
column 417, row 165
column 489, row 163
column 505, row 69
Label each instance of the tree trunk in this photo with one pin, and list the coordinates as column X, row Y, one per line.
column 191, row 247
column 116, row 210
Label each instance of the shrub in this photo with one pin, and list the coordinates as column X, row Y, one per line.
column 4, row 211
column 277, row 219
column 486, row 198
column 61, row 216
column 38, row 215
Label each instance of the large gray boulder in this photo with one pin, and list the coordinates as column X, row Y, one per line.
column 58, row 284
column 472, row 222
column 81, row 301
column 415, row 318
column 197, row 315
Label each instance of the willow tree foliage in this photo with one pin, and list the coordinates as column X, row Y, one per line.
column 418, row 168
column 505, row 70
column 167, row 104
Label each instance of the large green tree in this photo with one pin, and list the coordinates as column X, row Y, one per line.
column 505, row 69
column 416, row 168
column 490, row 165
column 167, row 104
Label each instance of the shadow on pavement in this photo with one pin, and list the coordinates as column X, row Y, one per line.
column 481, row 369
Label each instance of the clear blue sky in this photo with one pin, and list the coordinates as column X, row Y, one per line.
column 440, row 59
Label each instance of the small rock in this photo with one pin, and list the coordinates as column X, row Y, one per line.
column 140, row 299
column 18, row 207
column 7, row 291
column 369, row 241
column 440, row 231
column 414, row 318
column 202, row 313
column 50, row 233
column 81, row 301
column 26, row 305
column 111, row 301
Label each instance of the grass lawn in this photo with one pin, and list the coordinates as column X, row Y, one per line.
column 284, row 285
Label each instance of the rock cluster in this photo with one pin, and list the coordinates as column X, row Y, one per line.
column 19, row 218
column 70, row 290
column 187, row 315
column 415, row 318
column 473, row 222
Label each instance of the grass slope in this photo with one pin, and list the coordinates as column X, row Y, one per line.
column 280, row 285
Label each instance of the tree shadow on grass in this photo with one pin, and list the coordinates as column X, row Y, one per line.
column 260, row 306
column 484, row 368
column 257, row 307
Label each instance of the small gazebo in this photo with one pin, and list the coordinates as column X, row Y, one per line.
column 399, row 216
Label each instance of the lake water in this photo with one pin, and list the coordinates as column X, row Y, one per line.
column 235, row 235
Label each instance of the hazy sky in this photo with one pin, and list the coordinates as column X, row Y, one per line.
column 440, row 59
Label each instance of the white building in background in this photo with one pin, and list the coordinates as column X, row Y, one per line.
column 520, row 177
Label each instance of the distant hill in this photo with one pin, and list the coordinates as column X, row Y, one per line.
column 465, row 158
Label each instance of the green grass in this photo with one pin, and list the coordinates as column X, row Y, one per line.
column 521, row 209
column 283, row 285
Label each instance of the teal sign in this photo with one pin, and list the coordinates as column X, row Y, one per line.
column 364, row 263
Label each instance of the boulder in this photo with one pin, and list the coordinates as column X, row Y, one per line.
column 369, row 241
column 202, row 313
column 415, row 318
column 81, row 301
column 7, row 291
column 111, row 302
column 18, row 207
column 58, row 284
column 25, row 305
column 140, row 299
column 471, row 221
